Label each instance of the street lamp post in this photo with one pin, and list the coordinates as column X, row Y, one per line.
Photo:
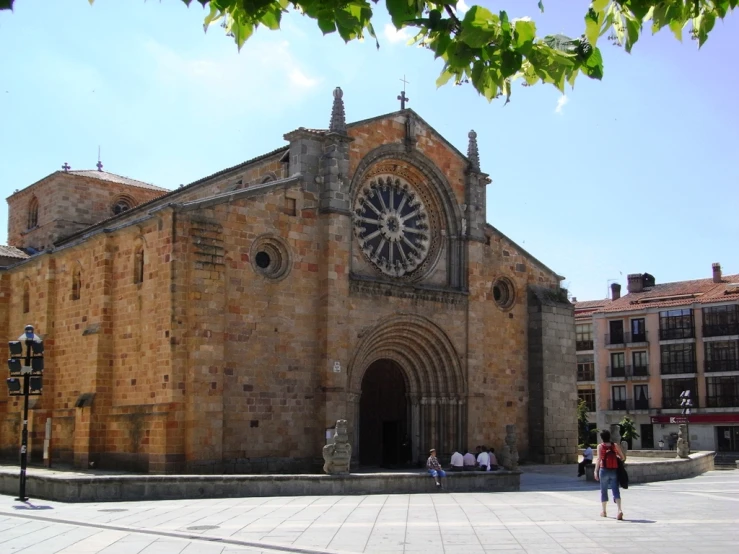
column 30, row 368
column 686, row 404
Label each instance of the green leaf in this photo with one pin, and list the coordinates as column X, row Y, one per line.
column 8, row 4
column 633, row 27
column 479, row 27
column 592, row 26
column 510, row 63
column 593, row 68
column 677, row 29
column 400, row 11
column 524, row 33
column 443, row 79
column 541, row 6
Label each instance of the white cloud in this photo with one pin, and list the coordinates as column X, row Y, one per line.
column 264, row 69
column 561, row 103
column 461, row 7
column 394, row 35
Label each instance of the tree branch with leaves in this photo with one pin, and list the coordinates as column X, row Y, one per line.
column 488, row 50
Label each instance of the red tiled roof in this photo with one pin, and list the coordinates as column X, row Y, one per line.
column 12, row 252
column 586, row 308
column 679, row 293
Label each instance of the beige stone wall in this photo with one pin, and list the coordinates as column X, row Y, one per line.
column 67, row 203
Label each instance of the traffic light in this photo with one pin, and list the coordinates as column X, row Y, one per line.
column 35, row 385
column 15, row 387
column 685, row 403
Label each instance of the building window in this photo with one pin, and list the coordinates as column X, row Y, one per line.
column 587, row 396
column 616, row 332
column 722, row 392
column 722, row 355
column 641, row 397
column 504, row 293
column 638, row 330
column 26, row 298
column 672, row 388
column 618, row 365
column 585, row 370
column 721, row 320
column 33, row 213
column 121, row 205
column 291, row 206
column 676, row 324
column 138, row 265
column 618, row 397
column 677, row 358
column 641, row 366
column 584, row 336
column 76, row 284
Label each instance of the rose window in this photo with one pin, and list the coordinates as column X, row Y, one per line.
column 392, row 226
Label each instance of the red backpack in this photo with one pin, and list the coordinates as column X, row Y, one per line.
column 610, row 458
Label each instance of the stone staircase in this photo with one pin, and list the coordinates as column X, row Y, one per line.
column 726, row 460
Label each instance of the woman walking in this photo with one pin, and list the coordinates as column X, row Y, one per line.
column 606, row 471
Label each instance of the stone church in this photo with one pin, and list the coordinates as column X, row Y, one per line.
column 225, row 326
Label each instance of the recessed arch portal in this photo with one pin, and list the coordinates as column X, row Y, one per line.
column 435, row 387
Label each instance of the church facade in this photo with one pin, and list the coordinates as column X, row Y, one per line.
column 227, row 325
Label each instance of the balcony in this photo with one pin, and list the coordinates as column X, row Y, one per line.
column 641, row 404
column 672, row 368
column 616, row 372
column 722, row 401
column 615, row 338
column 586, row 374
column 670, row 402
column 617, row 404
column 637, row 371
column 677, row 333
column 635, row 337
column 721, row 329
column 711, row 366
column 584, row 345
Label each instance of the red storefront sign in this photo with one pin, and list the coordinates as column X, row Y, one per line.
column 696, row 418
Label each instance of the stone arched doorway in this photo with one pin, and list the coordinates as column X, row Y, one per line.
column 422, row 355
column 383, row 416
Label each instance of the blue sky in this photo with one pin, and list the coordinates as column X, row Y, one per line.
column 636, row 173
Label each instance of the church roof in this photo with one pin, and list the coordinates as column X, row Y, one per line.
column 12, row 252
column 113, row 178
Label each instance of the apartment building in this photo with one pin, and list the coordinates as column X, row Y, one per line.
column 657, row 341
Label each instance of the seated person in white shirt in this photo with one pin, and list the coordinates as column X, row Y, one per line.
column 457, row 461
column 483, row 459
column 470, row 463
column 493, row 460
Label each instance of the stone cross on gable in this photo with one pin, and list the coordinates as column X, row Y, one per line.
column 66, row 167
column 99, row 165
column 402, row 97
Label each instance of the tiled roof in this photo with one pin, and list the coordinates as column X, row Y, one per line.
column 586, row 308
column 679, row 293
column 12, row 252
column 113, row 178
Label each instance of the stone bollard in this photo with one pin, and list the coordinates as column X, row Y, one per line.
column 337, row 455
column 683, row 446
column 509, row 452
column 590, row 472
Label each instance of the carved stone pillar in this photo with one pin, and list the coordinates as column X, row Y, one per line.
column 415, row 421
column 352, row 410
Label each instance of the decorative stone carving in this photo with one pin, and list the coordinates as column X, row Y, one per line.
column 392, row 225
column 338, row 119
column 337, row 454
column 472, row 152
column 683, row 442
column 509, row 452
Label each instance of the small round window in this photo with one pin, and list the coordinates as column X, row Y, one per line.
column 270, row 257
column 503, row 293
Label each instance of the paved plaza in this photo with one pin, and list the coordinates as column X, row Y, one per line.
column 554, row 513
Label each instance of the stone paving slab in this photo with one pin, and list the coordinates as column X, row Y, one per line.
column 554, row 512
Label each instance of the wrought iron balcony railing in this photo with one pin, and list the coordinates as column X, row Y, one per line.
column 617, row 404
column 722, row 401
column 674, row 401
column 677, row 333
column 720, row 329
column 616, row 372
column 636, row 337
column 637, row 370
column 671, row 368
column 720, row 365
column 615, row 338
column 584, row 345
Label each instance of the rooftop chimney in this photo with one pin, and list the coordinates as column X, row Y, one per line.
column 574, row 299
column 615, row 291
column 636, row 282
column 716, row 272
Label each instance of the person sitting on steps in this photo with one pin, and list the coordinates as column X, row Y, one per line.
column 434, row 467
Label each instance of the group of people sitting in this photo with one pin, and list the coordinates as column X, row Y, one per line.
column 483, row 460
